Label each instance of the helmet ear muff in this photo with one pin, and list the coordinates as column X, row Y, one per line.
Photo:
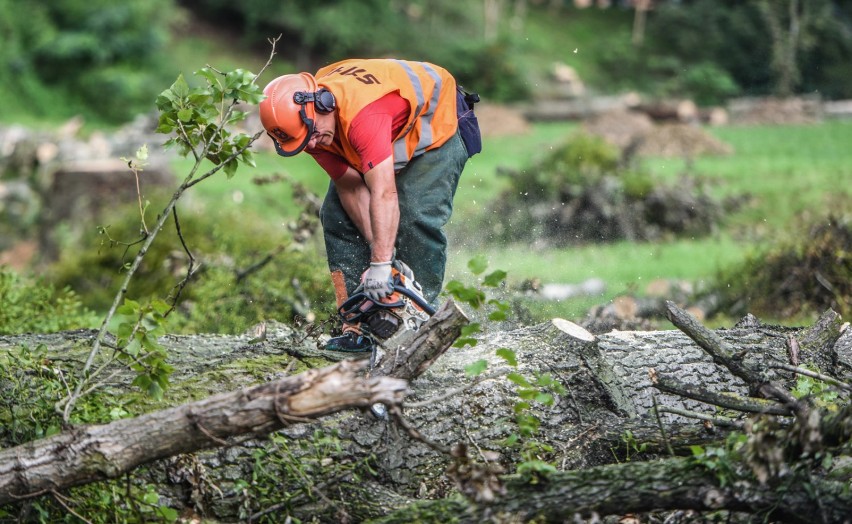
column 323, row 99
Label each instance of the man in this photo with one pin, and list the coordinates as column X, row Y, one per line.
column 387, row 133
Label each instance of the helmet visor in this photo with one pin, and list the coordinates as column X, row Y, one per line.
column 286, row 145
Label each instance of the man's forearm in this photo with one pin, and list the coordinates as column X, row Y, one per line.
column 384, row 210
column 384, row 218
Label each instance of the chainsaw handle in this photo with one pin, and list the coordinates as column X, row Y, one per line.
column 416, row 298
column 359, row 304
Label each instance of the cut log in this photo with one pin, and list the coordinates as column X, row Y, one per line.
column 670, row 110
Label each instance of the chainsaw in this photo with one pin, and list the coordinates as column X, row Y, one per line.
column 402, row 312
column 404, row 308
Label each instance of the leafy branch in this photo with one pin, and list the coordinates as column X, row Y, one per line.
column 538, row 389
column 198, row 120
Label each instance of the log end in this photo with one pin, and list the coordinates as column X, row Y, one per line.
column 572, row 330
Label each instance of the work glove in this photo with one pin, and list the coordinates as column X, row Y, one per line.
column 378, row 281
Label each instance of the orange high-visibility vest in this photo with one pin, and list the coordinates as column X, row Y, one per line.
column 429, row 89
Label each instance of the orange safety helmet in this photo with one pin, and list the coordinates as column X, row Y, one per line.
column 286, row 114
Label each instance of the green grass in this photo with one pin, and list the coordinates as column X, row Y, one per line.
column 270, row 201
column 480, row 183
column 791, row 172
column 625, row 267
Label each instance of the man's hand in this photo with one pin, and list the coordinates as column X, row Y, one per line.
column 378, row 282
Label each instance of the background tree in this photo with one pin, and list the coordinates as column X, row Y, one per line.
column 83, row 54
column 786, row 40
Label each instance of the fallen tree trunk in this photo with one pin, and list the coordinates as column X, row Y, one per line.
column 98, row 452
column 609, row 393
column 638, row 487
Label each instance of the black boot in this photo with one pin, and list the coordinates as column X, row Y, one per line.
column 350, row 342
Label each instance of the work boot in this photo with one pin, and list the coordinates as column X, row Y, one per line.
column 350, row 342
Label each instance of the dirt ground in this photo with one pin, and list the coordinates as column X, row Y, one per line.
column 773, row 111
column 497, row 120
column 631, row 129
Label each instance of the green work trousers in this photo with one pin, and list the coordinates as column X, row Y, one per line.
column 425, row 188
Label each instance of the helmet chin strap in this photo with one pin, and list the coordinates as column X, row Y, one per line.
column 309, row 123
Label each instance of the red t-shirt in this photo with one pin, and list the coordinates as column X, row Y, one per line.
column 371, row 135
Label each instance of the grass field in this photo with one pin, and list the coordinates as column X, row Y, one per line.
column 793, row 174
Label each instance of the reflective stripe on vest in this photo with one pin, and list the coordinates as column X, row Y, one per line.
column 357, row 83
column 400, row 149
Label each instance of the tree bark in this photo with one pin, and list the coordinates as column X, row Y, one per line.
column 677, row 483
column 609, row 392
column 98, row 452
column 91, row 453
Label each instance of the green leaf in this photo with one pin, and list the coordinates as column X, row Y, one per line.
column 180, row 88
column 151, row 498
column 476, row 368
column 520, row 407
column 150, row 343
column 209, row 75
column 471, row 329
column 155, row 391
column 469, row 295
column 494, row 279
column 142, row 153
column 254, row 98
column 231, row 169
column 160, row 306
column 497, row 316
column 697, row 451
column 133, row 347
column 124, row 330
column 199, row 98
column 545, row 380
column 166, row 100
column 164, row 128
column 185, row 115
column 168, row 514
column 508, row 355
column 519, row 380
column 511, row 440
column 117, row 413
column 142, row 382
column 462, row 342
column 466, row 336
column 544, row 398
column 248, row 158
column 130, row 307
column 527, row 393
column 477, row 264
column 538, row 467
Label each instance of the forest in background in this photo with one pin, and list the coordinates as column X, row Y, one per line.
column 107, row 61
